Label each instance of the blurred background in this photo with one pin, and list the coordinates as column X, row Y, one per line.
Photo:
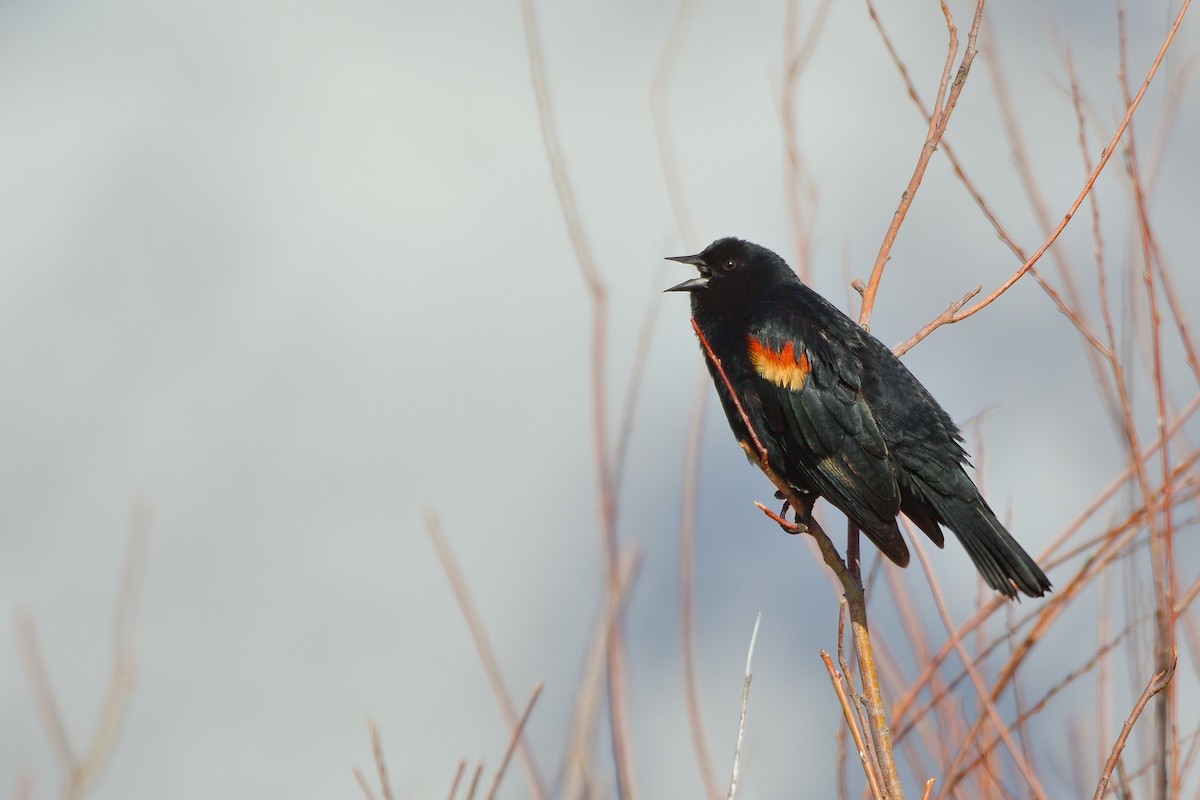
column 293, row 274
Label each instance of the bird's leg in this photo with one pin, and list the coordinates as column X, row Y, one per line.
column 804, row 515
column 786, row 503
column 800, row 514
column 852, row 552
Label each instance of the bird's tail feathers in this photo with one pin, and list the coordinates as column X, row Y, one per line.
column 1001, row 561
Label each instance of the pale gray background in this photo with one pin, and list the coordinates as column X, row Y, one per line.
column 292, row 272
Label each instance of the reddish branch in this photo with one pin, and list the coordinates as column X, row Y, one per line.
column 851, row 586
column 937, row 129
column 79, row 773
column 514, row 739
column 1156, row 685
column 1105, row 155
column 687, row 576
column 617, row 673
column 1162, row 556
column 839, row 681
column 491, row 664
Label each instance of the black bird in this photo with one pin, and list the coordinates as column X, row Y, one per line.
column 839, row 415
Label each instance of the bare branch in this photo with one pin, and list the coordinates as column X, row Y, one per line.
column 797, row 181
column 937, row 129
column 1157, row 683
column 369, row 793
column 618, row 690
column 687, row 598
column 385, row 785
column 513, row 740
column 851, row 587
column 474, row 785
column 1002, row 729
column 839, row 687
column 741, row 734
column 1105, row 155
column 589, row 696
column 79, row 775
column 458, row 776
column 662, row 124
column 491, row 665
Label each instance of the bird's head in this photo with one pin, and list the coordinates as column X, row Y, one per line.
column 732, row 271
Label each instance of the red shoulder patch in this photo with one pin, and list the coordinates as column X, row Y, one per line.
column 781, row 367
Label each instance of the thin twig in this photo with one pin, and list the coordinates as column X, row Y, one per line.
column 618, row 690
column 1105, row 155
column 687, row 592
column 1157, row 683
column 687, row 522
column 1103, row 682
column 79, row 775
column 662, row 123
column 1067, row 681
column 1045, row 618
column 787, row 525
column 741, row 734
column 839, row 688
column 1002, row 729
column 851, row 588
column 842, row 777
column 1161, row 537
column 1074, row 314
column 843, row 792
column 1011, row 119
column 633, row 389
column 491, row 665
column 937, row 129
column 369, row 793
column 474, row 785
column 385, row 785
column 458, row 776
column 1110, row 549
column 513, row 740
column 44, row 699
column 860, row 711
column 936, row 322
column 797, row 180
column 589, row 696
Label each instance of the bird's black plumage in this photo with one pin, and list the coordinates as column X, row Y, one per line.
column 839, row 415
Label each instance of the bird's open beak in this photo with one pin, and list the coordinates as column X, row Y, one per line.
column 695, row 283
column 690, row 286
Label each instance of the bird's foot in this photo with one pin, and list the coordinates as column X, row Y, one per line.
column 800, row 515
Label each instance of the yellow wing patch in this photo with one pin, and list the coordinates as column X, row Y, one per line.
column 780, row 367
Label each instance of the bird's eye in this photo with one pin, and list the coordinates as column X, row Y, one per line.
column 728, row 265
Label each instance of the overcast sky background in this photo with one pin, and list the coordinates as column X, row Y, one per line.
column 291, row 273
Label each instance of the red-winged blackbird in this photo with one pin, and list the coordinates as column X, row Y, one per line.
column 839, row 415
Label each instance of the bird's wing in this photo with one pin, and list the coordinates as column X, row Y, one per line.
column 810, row 392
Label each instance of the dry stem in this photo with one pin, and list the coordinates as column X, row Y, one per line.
column 617, row 674
column 79, row 775
column 512, row 741
column 1157, row 683
column 839, row 681
column 687, row 576
column 741, row 734
column 937, row 129
column 491, row 665
column 851, row 587
column 1091, row 180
